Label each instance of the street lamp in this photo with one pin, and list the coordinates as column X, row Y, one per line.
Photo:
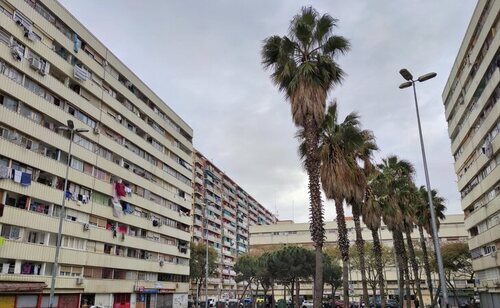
column 206, row 253
column 411, row 83
column 71, row 129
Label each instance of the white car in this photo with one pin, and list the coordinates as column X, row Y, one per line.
column 307, row 303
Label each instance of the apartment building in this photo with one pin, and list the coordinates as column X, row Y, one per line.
column 230, row 211
column 127, row 222
column 473, row 114
column 267, row 238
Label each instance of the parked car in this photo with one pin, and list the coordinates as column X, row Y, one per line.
column 307, row 303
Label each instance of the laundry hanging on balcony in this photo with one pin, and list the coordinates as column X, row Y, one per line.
column 25, row 179
column 80, row 74
column 5, row 172
column 117, row 208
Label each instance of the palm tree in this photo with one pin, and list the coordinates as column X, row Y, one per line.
column 395, row 175
column 364, row 154
column 372, row 213
column 410, row 199
column 423, row 215
column 339, row 146
column 304, row 69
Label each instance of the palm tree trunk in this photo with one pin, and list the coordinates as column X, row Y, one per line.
column 344, row 248
column 317, row 226
column 360, row 244
column 404, row 257
column 413, row 261
column 426, row 264
column 377, row 251
column 399, row 263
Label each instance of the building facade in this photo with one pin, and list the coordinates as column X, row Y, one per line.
column 230, row 211
column 127, row 222
column 473, row 115
column 267, row 238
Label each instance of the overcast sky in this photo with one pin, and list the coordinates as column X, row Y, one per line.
column 203, row 59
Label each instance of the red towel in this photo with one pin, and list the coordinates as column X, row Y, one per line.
column 122, row 229
column 120, row 189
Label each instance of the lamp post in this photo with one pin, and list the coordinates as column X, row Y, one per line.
column 206, row 255
column 71, row 129
column 410, row 82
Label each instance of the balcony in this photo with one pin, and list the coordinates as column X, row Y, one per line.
column 228, row 263
column 212, row 280
column 214, row 209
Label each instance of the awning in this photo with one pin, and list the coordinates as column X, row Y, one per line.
column 16, row 286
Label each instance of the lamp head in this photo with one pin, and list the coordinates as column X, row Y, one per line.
column 405, row 84
column 427, row 76
column 406, row 74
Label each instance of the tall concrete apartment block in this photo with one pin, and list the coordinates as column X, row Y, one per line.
column 229, row 213
column 129, row 197
column 471, row 104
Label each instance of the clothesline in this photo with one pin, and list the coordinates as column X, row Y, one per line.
column 23, row 178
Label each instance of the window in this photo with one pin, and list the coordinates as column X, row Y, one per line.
column 97, row 221
column 92, row 272
column 73, row 242
column 68, row 270
column 36, row 237
column 99, row 198
column 9, row 102
column 11, row 232
column 83, row 142
column 76, row 164
column 90, row 246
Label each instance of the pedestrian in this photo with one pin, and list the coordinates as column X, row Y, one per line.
column 417, row 303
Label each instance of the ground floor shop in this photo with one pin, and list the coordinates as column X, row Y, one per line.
column 145, row 299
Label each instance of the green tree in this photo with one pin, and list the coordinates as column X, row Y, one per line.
column 303, row 68
column 423, row 215
column 332, row 272
column 371, row 262
column 457, row 263
column 293, row 264
column 246, row 268
column 198, row 262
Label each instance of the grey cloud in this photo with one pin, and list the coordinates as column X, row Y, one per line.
column 203, row 59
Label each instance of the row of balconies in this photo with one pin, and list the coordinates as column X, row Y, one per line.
column 34, row 159
column 28, row 219
column 49, row 54
column 62, row 90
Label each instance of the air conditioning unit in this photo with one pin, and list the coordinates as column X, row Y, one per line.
column 162, row 262
column 30, row 35
column 80, row 281
column 147, row 256
column 96, row 130
column 494, row 254
column 45, row 69
column 86, row 227
column 36, row 64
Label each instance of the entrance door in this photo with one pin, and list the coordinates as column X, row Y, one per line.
column 121, row 300
column 69, row 300
column 165, row 301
